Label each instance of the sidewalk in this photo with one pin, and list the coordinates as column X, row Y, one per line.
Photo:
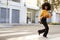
column 29, row 37
column 31, row 28
column 25, row 32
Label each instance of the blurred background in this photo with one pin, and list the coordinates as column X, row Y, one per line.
column 27, row 11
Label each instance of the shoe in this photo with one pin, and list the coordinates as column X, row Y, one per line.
column 39, row 32
column 45, row 36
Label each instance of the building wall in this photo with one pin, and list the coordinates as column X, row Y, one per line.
column 31, row 15
column 31, row 2
column 58, row 17
column 20, row 8
column 23, row 12
column 14, row 7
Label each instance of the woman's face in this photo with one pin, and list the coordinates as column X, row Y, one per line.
column 46, row 7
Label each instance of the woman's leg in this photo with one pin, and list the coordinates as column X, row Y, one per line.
column 41, row 31
column 46, row 29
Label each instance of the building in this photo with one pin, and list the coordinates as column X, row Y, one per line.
column 55, row 11
column 32, row 10
column 23, row 11
column 11, row 11
column 56, row 15
column 18, row 11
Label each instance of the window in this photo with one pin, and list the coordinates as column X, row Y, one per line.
column 15, row 16
column 4, row 15
column 16, row 0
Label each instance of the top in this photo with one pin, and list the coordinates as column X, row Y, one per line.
column 44, row 13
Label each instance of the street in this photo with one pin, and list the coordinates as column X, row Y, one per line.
column 29, row 32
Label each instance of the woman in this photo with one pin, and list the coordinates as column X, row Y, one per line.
column 43, row 17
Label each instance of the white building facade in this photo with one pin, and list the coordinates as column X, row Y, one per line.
column 32, row 10
column 56, row 15
column 11, row 12
column 15, row 11
column 21, row 12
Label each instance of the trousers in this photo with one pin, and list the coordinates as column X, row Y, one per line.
column 45, row 31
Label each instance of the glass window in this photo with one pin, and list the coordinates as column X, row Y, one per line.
column 15, row 16
column 16, row 0
column 4, row 15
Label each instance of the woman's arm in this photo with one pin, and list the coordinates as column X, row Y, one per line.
column 41, row 15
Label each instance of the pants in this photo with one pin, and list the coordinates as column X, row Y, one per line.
column 45, row 31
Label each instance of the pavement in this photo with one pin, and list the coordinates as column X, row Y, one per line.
column 28, row 32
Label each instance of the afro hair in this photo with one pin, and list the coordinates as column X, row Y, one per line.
column 46, row 4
